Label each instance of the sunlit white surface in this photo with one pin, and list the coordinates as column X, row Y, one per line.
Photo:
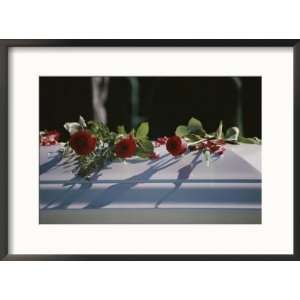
column 233, row 181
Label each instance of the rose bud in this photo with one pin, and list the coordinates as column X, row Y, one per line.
column 83, row 142
column 125, row 148
column 176, row 146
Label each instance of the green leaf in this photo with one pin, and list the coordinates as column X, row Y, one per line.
column 182, row 131
column 219, row 132
column 143, row 130
column 253, row 140
column 146, row 145
column 258, row 141
column 194, row 138
column 72, row 127
column 93, row 127
column 121, row 130
column 100, row 130
column 118, row 138
column 195, row 126
column 210, row 135
column 141, row 153
column 232, row 135
column 132, row 132
column 82, row 122
column 207, row 158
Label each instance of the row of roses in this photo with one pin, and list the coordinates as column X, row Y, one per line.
column 84, row 142
column 95, row 145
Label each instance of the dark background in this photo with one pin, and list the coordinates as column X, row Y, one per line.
column 163, row 101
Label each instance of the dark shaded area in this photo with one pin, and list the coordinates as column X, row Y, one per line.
column 208, row 99
column 251, row 104
column 63, row 99
column 163, row 101
column 118, row 105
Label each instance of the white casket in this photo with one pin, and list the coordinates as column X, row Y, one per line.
column 163, row 191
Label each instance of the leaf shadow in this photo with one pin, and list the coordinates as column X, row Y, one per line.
column 183, row 174
column 51, row 164
column 115, row 191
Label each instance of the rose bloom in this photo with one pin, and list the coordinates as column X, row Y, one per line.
column 176, row 145
column 83, row 142
column 125, row 148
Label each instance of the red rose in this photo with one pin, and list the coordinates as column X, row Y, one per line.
column 126, row 147
column 176, row 146
column 83, row 142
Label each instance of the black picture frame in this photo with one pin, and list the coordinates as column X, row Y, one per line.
column 5, row 45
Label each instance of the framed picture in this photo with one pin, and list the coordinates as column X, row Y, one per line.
column 149, row 149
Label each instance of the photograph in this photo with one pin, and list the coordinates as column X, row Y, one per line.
column 150, row 150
